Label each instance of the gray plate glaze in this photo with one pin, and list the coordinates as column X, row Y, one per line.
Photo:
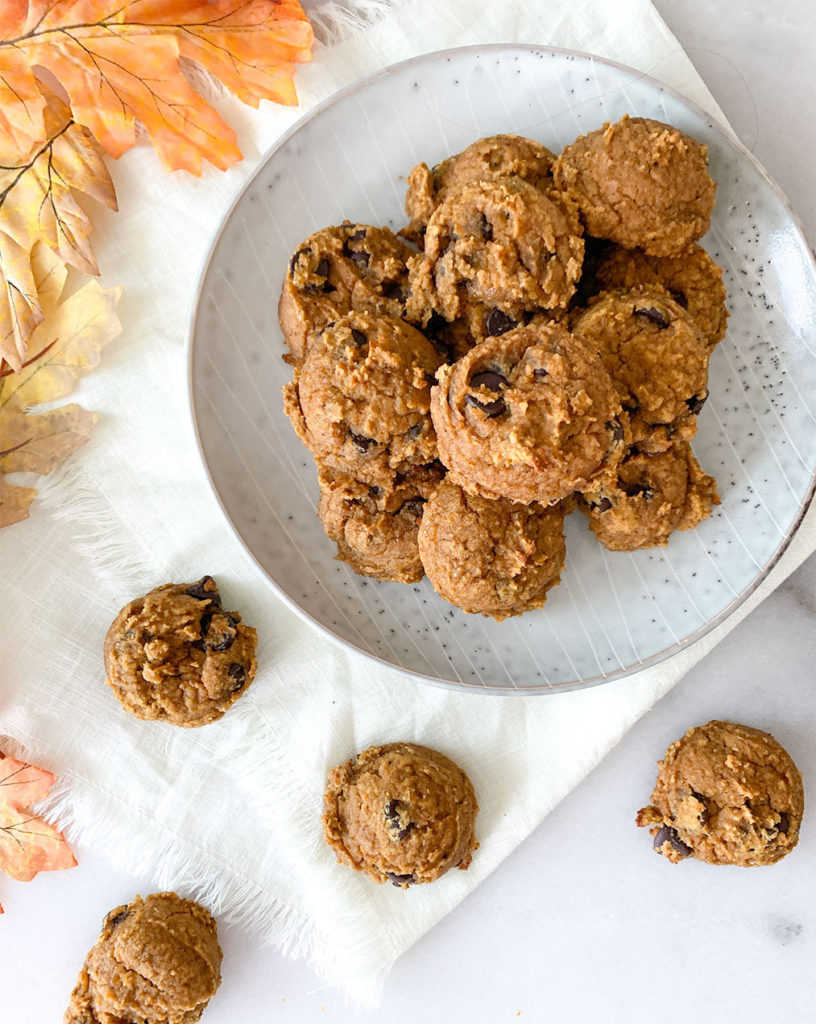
column 613, row 613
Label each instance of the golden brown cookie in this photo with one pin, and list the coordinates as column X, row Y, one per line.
column 502, row 243
column 338, row 269
column 692, row 279
column 499, row 156
column 156, row 961
column 656, row 357
column 640, row 183
column 651, row 496
column 495, row 558
column 176, row 656
column 530, row 415
column 360, row 401
column 401, row 813
column 375, row 527
column 725, row 794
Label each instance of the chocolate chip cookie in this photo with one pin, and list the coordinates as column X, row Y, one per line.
column 360, row 401
column 499, row 156
column 156, row 961
column 692, row 279
column 375, row 527
column 338, row 269
column 640, row 183
column 656, row 357
column 502, row 243
column 175, row 655
column 530, row 415
column 651, row 496
column 494, row 558
column 725, row 794
column 402, row 813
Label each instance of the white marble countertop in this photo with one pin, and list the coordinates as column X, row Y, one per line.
column 581, row 923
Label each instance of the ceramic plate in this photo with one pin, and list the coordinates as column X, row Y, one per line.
column 613, row 612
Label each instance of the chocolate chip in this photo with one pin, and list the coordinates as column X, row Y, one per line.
column 603, row 505
column 413, row 432
column 358, row 235
column 360, row 258
column 784, row 823
column 639, row 488
column 414, row 506
column 679, row 297
column 400, row 880
column 237, row 673
column 362, row 444
column 702, row 815
column 375, row 492
column 294, row 259
column 654, row 315
column 322, row 269
column 617, row 430
column 541, row 373
column 696, row 402
column 527, row 316
column 498, row 322
column 202, row 592
column 668, row 835
column 493, row 382
column 486, row 229
column 358, row 338
column 120, row 917
column 217, row 635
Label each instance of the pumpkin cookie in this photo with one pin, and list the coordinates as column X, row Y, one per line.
column 640, row 183
column 692, row 279
column 375, row 527
column 530, row 415
column 176, row 656
column 338, row 269
column 499, row 156
column 725, row 794
column 401, row 813
column 656, row 357
column 502, row 243
column 495, row 558
column 651, row 496
column 157, row 961
column 360, row 401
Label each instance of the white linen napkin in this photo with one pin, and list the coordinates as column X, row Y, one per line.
column 231, row 813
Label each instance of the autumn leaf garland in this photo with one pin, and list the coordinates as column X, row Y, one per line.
column 119, row 64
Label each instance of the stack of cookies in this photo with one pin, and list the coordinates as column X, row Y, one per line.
column 537, row 338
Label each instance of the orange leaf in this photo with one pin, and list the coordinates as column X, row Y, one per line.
column 118, row 61
column 27, row 843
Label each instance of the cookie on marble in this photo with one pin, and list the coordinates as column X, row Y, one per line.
column 529, row 415
column 336, row 270
column 725, row 794
column 156, row 961
column 650, row 497
column 498, row 156
column 656, row 357
column 640, row 183
column 692, row 279
column 175, row 655
column 494, row 558
column 401, row 813
column 360, row 400
column 375, row 527
column 501, row 243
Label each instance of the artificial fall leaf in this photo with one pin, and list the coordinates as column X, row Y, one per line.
column 66, row 344
column 36, row 204
column 118, row 61
column 27, row 843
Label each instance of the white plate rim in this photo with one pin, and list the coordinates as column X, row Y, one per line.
column 569, row 686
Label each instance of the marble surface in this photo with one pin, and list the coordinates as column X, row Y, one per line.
column 582, row 923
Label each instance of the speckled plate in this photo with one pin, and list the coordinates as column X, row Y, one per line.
column 613, row 613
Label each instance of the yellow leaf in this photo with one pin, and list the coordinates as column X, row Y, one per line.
column 67, row 344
